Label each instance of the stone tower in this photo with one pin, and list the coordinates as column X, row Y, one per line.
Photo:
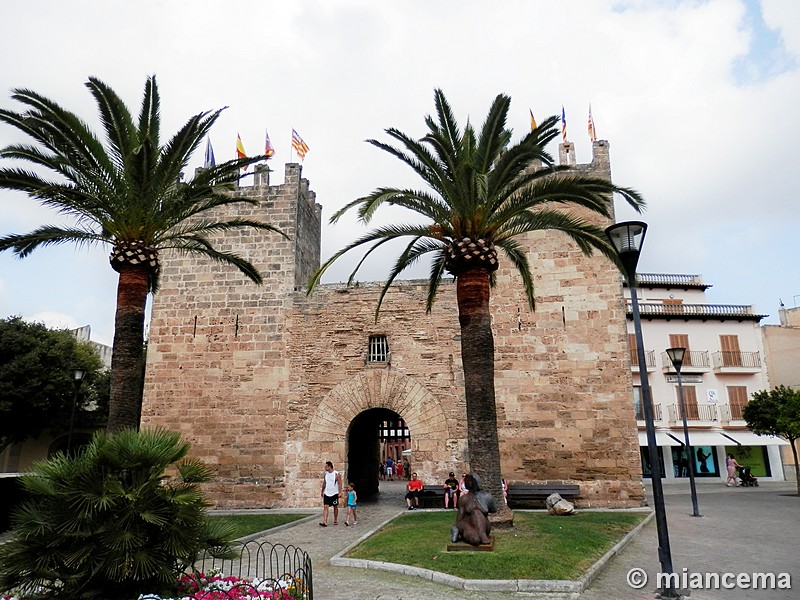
column 268, row 383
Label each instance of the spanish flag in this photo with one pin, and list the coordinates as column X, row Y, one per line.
column 533, row 121
column 240, row 153
column 592, row 131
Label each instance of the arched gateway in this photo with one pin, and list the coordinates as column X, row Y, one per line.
column 334, row 421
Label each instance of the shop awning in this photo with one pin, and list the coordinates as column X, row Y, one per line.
column 713, row 438
column 662, row 439
column 748, row 438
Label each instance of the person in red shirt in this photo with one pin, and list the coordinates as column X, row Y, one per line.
column 414, row 487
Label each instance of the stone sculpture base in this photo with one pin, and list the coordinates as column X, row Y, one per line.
column 465, row 547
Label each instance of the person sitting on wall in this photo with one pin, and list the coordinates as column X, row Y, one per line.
column 451, row 491
column 414, row 487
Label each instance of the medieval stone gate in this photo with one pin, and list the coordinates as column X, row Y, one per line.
column 268, row 383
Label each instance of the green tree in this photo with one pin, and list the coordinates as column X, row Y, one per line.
column 125, row 193
column 776, row 412
column 37, row 384
column 481, row 195
column 108, row 523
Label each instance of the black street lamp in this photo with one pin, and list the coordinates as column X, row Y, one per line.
column 627, row 239
column 676, row 356
column 79, row 374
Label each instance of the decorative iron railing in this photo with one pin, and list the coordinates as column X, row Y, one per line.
column 649, row 359
column 285, row 568
column 731, row 412
column 697, row 359
column 696, row 311
column 745, row 360
column 639, row 409
column 695, row 412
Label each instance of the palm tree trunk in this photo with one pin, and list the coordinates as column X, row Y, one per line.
column 477, row 357
column 125, row 403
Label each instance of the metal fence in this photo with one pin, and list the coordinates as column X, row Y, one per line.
column 260, row 570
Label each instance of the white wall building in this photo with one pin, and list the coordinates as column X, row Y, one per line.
column 723, row 366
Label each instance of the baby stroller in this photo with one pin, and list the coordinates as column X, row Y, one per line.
column 746, row 477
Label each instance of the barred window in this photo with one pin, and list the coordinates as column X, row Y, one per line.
column 378, row 349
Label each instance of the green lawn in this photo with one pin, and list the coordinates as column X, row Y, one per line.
column 540, row 546
column 248, row 524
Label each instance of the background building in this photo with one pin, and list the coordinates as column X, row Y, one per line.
column 782, row 348
column 723, row 366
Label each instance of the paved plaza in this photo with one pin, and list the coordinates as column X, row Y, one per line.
column 743, row 530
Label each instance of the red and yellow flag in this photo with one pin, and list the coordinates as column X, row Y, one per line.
column 240, row 153
column 592, row 131
column 299, row 145
column 269, row 151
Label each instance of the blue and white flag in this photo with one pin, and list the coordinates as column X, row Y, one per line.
column 209, row 159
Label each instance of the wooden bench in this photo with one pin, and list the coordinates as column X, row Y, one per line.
column 431, row 498
column 521, row 495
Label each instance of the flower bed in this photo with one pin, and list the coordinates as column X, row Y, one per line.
column 218, row 587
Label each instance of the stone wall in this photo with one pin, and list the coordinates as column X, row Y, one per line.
column 265, row 381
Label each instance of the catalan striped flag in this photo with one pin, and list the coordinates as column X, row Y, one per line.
column 299, row 145
column 592, row 131
column 563, row 125
column 240, row 153
column 533, row 121
column 269, row 151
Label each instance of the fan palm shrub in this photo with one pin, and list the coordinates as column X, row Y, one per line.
column 108, row 523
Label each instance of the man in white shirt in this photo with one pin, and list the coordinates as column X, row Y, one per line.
column 330, row 492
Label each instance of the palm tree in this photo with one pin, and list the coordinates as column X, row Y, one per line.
column 482, row 194
column 109, row 522
column 126, row 193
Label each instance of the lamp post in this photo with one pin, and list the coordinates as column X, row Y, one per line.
column 78, row 374
column 676, row 356
column 627, row 238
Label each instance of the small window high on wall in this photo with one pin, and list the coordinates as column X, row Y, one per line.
column 378, row 349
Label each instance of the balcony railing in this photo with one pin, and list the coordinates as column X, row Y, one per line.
column 736, row 360
column 695, row 412
column 693, row 361
column 660, row 310
column 674, row 279
column 649, row 358
column 732, row 412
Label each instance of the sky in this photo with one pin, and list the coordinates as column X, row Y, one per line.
column 697, row 99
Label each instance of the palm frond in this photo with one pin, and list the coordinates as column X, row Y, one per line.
column 48, row 235
column 494, row 136
column 199, row 245
column 416, row 248
column 434, row 279
column 116, row 118
column 516, row 254
column 150, row 115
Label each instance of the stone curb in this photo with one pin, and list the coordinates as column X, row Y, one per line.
column 261, row 534
column 491, row 585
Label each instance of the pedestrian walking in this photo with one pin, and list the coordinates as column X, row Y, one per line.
column 330, row 492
